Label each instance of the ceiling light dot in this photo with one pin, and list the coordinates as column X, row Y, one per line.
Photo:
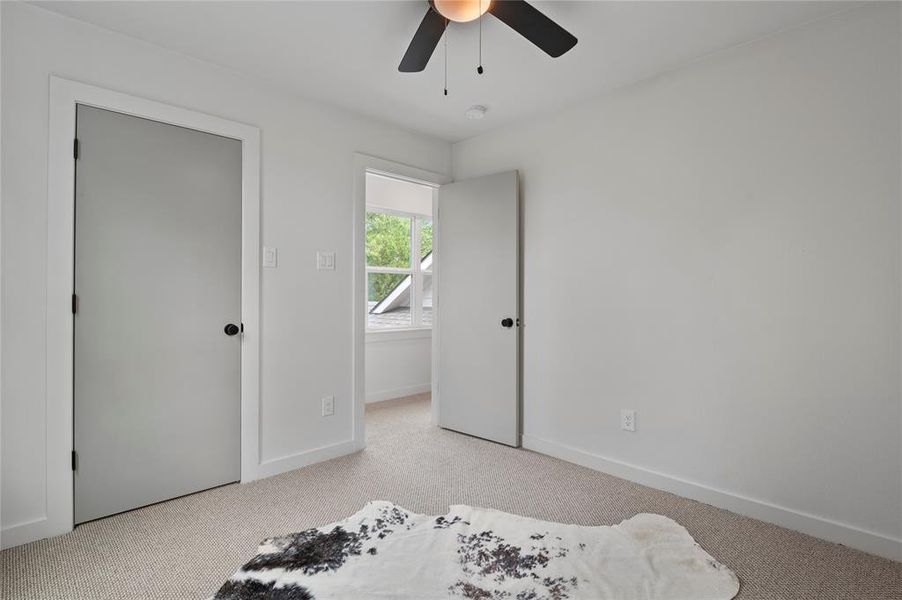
column 475, row 112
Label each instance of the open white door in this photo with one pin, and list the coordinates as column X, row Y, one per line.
column 478, row 316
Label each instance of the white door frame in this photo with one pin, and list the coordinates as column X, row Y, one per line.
column 364, row 163
column 64, row 95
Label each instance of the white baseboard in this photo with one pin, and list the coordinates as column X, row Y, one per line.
column 826, row 529
column 22, row 533
column 275, row 466
column 398, row 392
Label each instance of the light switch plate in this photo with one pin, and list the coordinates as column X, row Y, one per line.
column 270, row 258
column 325, row 261
column 328, row 406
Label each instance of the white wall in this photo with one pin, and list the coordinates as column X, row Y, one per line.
column 398, row 364
column 719, row 249
column 396, row 194
column 307, row 159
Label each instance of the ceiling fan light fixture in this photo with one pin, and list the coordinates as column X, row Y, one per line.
column 519, row 15
column 461, row 11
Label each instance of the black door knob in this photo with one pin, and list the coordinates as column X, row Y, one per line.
column 508, row 322
column 231, row 329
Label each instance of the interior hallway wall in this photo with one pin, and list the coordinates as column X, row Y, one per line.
column 398, row 364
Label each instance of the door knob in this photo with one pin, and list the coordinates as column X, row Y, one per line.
column 508, row 322
column 231, row 329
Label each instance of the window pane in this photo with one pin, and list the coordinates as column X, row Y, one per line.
column 388, row 300
column 387, row 240
column 427, row 300
column 426, row 244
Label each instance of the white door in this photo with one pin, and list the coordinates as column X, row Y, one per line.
column 478, row 313
column 158, row 282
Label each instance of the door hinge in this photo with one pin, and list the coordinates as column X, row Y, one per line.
column 75, row 149
column 74, row 304
column 74, row 460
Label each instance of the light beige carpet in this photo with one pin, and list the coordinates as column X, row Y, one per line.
column 186, row 548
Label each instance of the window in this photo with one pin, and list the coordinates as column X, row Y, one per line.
column 398, row 253
column 398, row 269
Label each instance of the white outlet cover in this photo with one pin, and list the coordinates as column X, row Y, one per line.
column 628, row 420
column 325, row 261
column 328, row 406
column 270, row 257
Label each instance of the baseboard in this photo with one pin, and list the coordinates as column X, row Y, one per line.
column 30, row 531
column 398, row 393
column 826, row 529
column 275, row 466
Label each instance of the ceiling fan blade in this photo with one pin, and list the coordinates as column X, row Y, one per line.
column 424, row 42
column 526, row 20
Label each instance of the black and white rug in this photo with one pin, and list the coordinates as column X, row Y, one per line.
column 384, row 551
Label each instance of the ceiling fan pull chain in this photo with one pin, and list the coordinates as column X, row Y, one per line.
column 446, row 57
column 479, row 68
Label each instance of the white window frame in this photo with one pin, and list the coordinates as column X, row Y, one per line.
column 414, row 270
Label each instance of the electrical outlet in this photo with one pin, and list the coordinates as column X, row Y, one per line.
column 270, row 258
column 627, row 419
column 328, row 406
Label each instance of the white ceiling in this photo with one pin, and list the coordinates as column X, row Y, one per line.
column 347, row 53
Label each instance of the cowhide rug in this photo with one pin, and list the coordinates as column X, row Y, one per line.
column 384, row 551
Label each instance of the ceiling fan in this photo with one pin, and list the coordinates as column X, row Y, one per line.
column 519, row 15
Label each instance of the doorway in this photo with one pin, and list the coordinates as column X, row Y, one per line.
column 475, row 365
column 400, row 298
column 157, row 312
column 65, row 96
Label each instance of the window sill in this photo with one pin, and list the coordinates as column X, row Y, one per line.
column 392, row 335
